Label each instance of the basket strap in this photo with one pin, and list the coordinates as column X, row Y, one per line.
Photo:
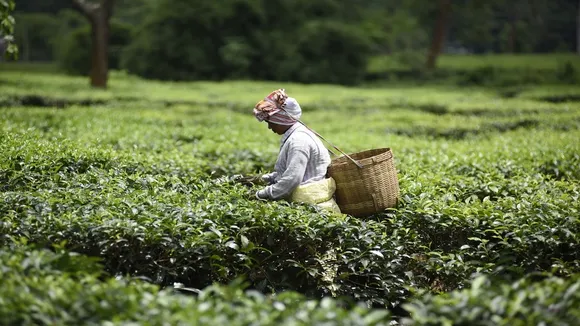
column 320, row 136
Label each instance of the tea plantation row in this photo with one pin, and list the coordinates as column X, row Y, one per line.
column 59, row 287
column 148, row 190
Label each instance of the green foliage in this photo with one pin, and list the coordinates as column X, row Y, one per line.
column 186, row 234
column 332, row 52
column 489, row 185
column 288, row 40
column 396, row 28
column 473, row 25
column 518, row 26
column 483, row 70
column 289, row 49
column 42, row 287
column 157, row 53
column 69, row 21
column 530, row 301
column 7, row 29
column 567, row 72
column 74, row 57
column 43, row 6
column 35, row 36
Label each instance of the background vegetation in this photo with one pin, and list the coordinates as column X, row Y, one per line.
column 330, row 41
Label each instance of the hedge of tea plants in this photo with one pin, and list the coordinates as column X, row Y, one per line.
column 48, row 287
column 56, row 286
column 142, row 178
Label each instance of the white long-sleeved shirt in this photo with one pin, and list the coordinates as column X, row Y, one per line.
column 302, row 159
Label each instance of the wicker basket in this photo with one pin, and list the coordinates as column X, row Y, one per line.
column 361, row 192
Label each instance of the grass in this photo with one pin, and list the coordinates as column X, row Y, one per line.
column 462, row 62
column 451, row 69
column 32, row 67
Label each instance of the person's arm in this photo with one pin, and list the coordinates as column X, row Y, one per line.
column 298, row 156
column 270, row 178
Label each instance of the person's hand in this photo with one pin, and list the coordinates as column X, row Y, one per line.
column 257, row 195
column 265, row 180
column 250, row 181
column 262, row 194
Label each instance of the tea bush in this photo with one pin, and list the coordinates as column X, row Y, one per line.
column 40, row 287
column 62, row 287
column 143, row 180
column 532, row 300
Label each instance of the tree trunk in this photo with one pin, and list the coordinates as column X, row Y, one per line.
column 99, row 50
column 3, row 47
column 512, row 41
column 98, row 15
column 511, row 46
column 26, row 44
column 439, row 33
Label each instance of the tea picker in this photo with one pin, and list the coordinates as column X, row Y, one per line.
column 358, row 184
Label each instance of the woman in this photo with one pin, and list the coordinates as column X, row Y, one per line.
column 300, row 171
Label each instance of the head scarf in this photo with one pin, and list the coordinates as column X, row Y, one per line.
column 278, row 108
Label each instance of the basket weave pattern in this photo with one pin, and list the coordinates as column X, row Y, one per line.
column 366, row 191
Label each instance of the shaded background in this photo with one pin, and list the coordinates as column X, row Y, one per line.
column 314, row 41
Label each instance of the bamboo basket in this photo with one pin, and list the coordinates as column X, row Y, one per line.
column 366, row 190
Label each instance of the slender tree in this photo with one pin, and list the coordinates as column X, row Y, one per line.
column 444, row 13
column 513, row 20
column 98, row 15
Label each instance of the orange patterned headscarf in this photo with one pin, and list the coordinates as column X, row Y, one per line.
column 270, row 105
column 278, row 108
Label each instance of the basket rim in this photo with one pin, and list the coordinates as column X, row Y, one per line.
column 383, row 150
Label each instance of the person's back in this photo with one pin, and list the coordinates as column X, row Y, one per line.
column 319, row 158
